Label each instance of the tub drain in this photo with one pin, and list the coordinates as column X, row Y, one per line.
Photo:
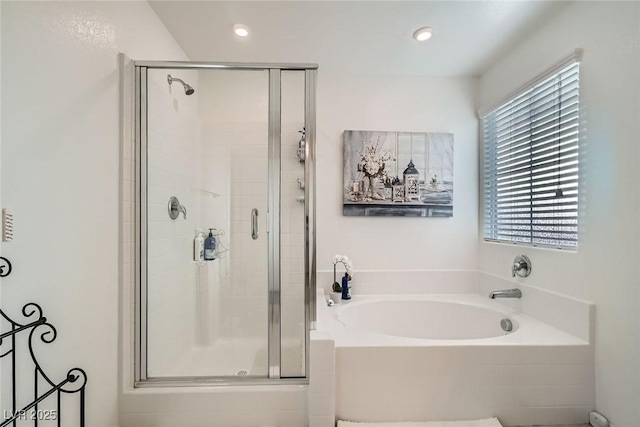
column 507, row 325
column 242, row 373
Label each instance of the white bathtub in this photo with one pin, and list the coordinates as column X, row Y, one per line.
column 424, row 319
column 445, row 357
column 438, row 320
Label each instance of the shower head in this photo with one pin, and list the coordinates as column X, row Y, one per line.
column 187, row 88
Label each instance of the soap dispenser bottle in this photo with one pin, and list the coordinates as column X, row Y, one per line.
column 198, row 246
column 210, row 245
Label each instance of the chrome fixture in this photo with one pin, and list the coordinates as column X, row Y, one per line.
column 302, row 145
column 187, row 88
column 521, row 266
column 506, row 325
column 175, row 208
column 254, row 224
column 301, row 185
column 330, row 302
column 506, row 293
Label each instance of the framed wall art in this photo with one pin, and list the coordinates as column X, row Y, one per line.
column 398, row 174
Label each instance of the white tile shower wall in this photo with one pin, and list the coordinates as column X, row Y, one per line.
column 234, row 166
column 246, row 292
column 609, row 233
column 520, row 385
column 173, row 159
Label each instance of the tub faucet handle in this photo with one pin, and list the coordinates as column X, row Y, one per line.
column 521, row 266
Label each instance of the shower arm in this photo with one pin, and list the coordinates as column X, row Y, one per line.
column 188, row 89
column 174, row 79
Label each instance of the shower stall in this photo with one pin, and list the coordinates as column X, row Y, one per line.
column 225, row 223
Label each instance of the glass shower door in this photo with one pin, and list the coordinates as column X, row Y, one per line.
column 210, row 150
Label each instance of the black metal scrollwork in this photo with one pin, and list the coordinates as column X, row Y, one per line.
column 5, row 267
column 73, row 382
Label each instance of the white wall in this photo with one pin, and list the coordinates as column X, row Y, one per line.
column 394, row 103
column 1, row 185
column 60, row 173
column 602, row 270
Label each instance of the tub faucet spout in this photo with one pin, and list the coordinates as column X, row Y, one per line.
column 506, row 293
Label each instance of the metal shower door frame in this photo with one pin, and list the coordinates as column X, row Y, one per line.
column 273, row 221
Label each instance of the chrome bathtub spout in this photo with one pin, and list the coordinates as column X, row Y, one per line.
column 506, row 293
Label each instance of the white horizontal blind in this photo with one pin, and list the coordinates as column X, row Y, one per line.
column 530, row 164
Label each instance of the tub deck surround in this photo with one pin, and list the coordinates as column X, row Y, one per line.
column 540, row 374
column 571, row 315
column 568, row 314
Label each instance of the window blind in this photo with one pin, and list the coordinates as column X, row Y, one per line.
column 530, row 164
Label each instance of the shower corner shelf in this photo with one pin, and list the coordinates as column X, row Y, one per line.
column 75, row 380
column 206, row 192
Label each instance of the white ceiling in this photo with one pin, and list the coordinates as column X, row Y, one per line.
column 370, row 37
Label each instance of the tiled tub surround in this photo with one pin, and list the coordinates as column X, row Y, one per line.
column 524, row 378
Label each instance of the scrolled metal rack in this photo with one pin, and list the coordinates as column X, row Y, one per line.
column 74, row 381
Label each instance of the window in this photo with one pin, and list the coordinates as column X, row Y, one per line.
column 530, row 164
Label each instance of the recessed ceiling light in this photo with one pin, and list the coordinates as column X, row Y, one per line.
column 241, row 30
column 423, row 34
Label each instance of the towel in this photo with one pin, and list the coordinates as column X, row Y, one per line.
column 489, row 422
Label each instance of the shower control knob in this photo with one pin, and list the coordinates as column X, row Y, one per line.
column 521, row 266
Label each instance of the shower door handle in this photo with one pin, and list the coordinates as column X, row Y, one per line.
column 254, row 223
